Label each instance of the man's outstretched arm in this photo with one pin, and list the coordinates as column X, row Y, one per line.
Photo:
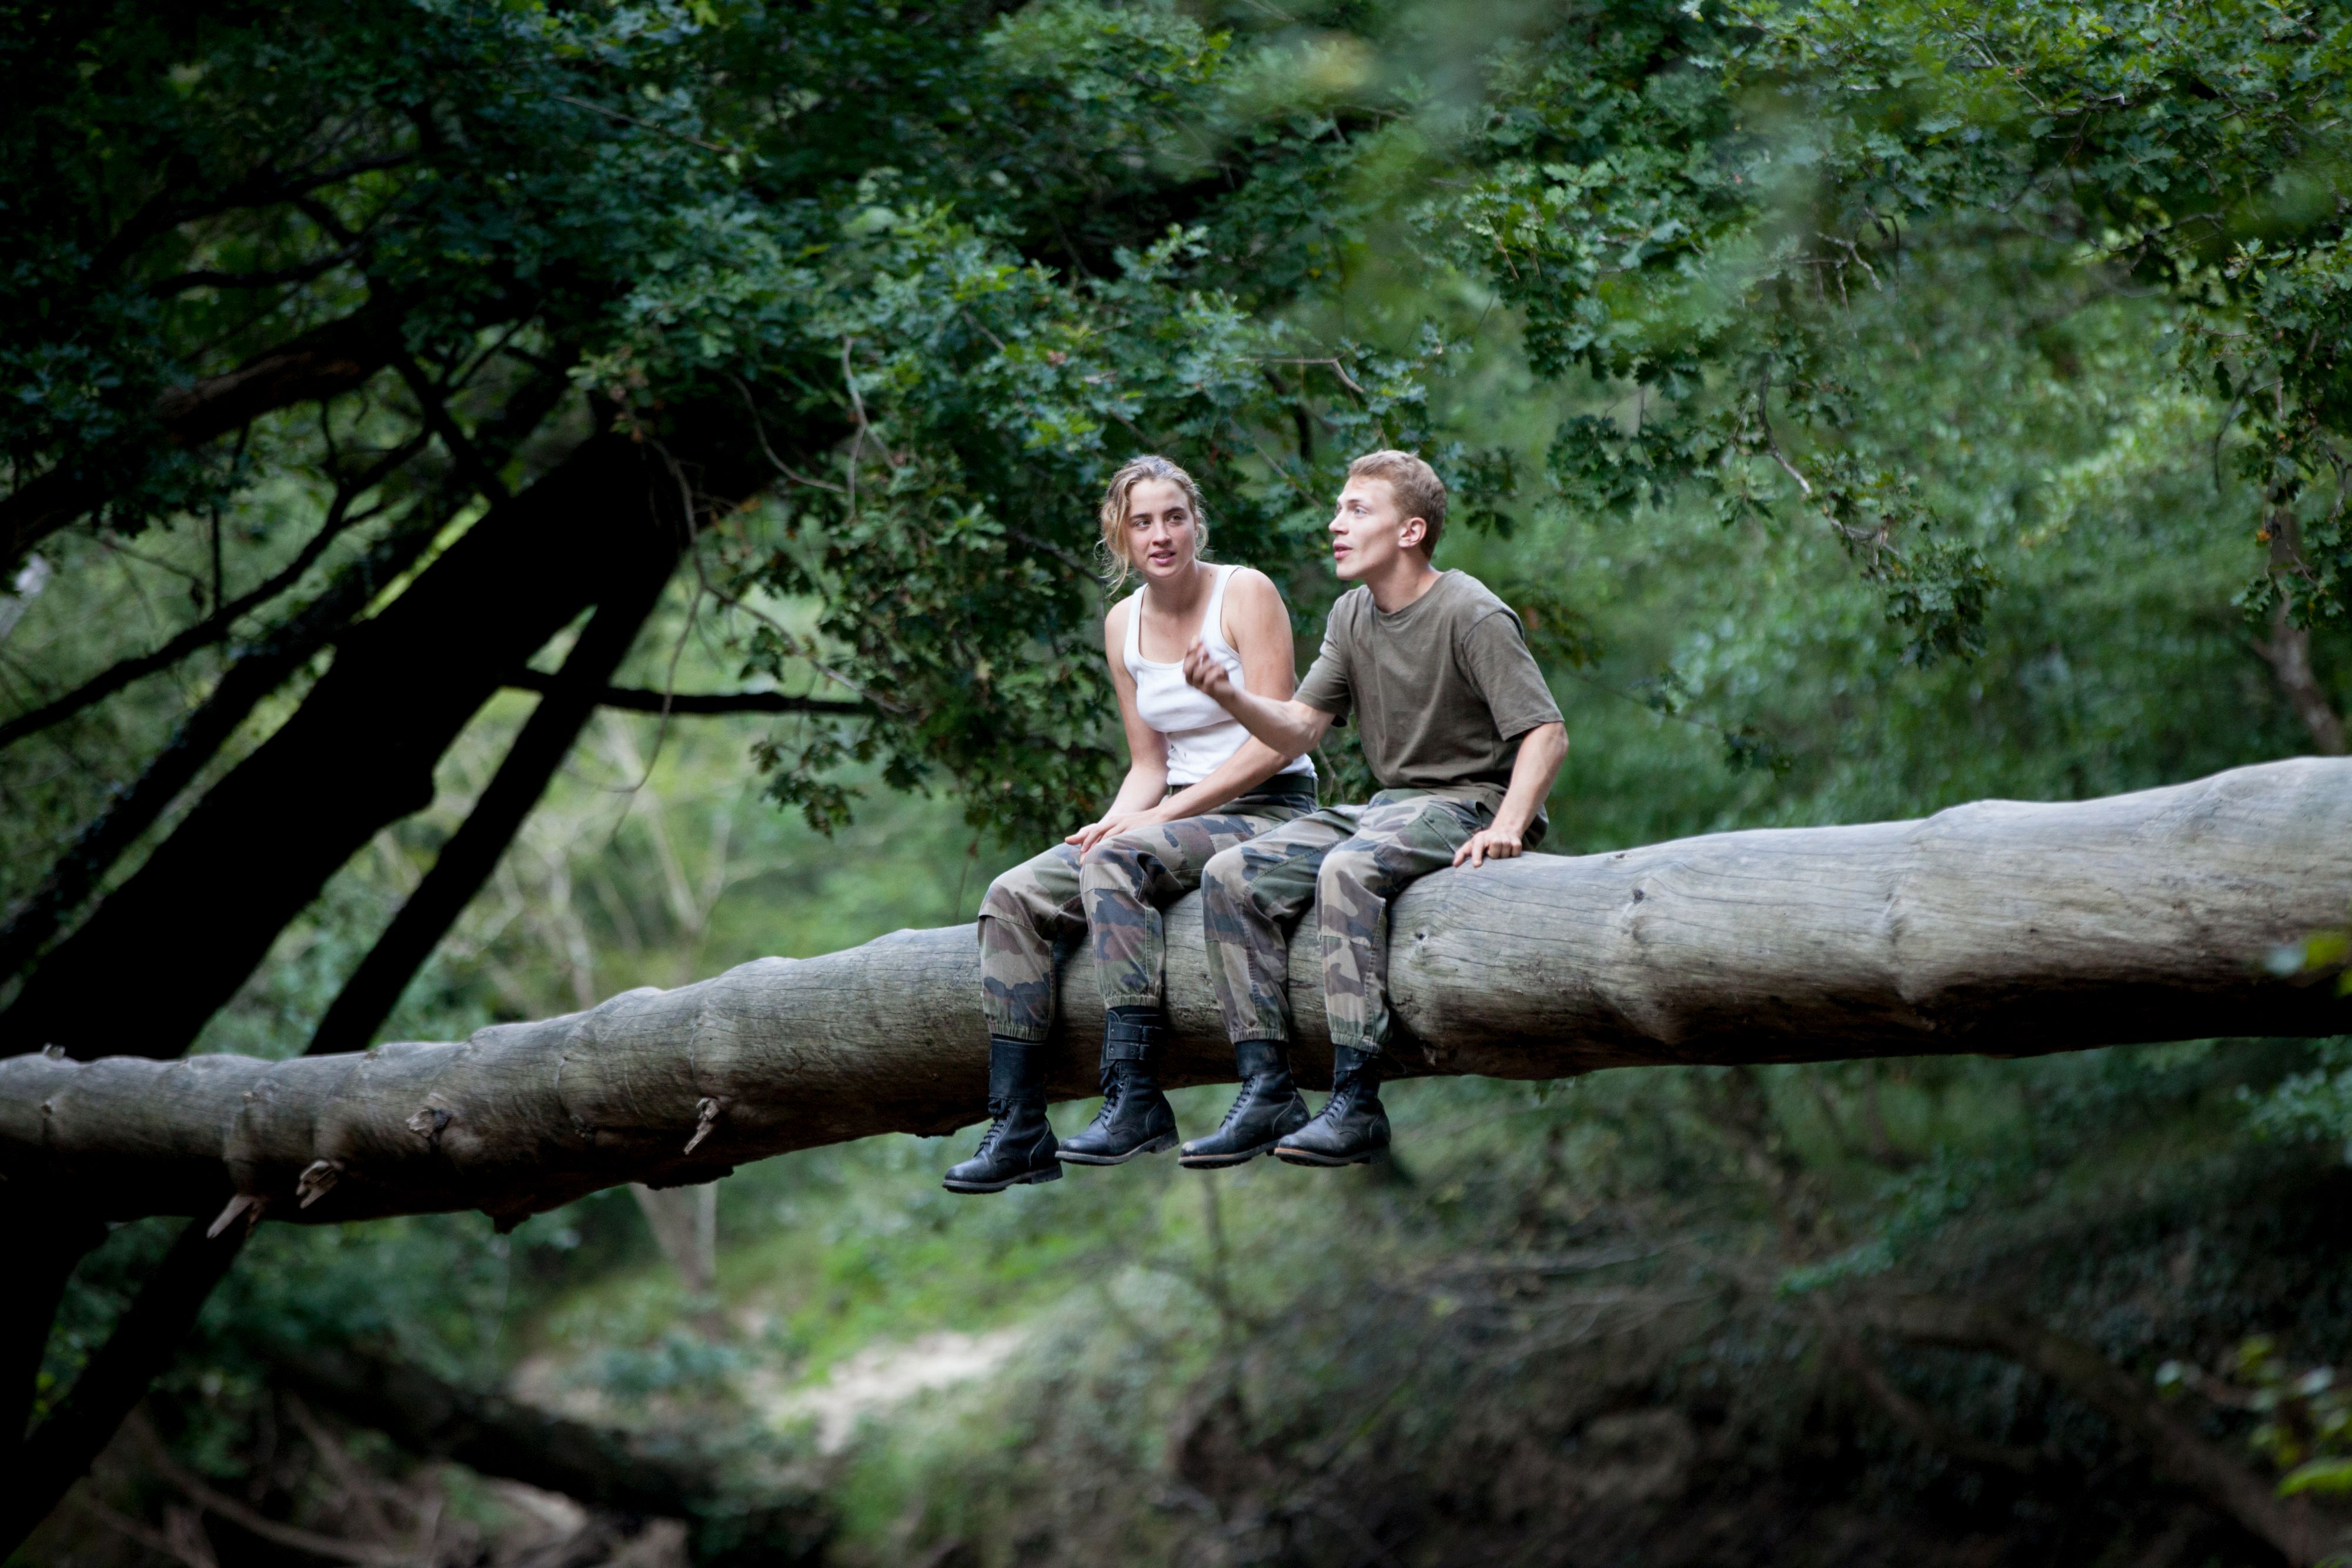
column 1541, row 752
column 1292, row 728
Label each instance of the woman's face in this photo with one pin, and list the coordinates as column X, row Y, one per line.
column 1160, row 529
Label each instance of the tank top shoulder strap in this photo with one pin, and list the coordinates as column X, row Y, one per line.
column 1134, row 651
column 1212, row 620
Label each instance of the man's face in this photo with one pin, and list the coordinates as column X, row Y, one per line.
column 1366, row 534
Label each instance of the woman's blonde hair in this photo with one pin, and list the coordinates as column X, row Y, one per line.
column 1116, row 563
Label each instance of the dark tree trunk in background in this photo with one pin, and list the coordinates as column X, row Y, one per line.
column 116, row 1379
column 259, row 668
column 357, row 756
column 44, row 1241
column 472, row 852
column 143, row 1343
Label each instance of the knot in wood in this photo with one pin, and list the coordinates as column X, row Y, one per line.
column 706, row 1117
column 428, row 1123
column 317, row 1180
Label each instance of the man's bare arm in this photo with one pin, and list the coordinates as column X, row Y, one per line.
column 1541, row 752
column 1291, row 728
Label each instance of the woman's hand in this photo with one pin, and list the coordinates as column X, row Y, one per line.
column 1110, row 827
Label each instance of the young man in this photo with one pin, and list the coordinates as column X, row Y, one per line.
column 1466, row 740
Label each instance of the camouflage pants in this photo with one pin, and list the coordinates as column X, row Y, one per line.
column 1113, row 896
column 1348, row 860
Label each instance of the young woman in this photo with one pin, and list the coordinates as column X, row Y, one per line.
column 1196, row 784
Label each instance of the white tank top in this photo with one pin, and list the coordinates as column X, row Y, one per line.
column 1200, row 735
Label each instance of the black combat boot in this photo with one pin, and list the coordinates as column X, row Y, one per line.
column 1353, row 1126
column 1019, row 1144
column 1269, row 1107
column 1135, row 1118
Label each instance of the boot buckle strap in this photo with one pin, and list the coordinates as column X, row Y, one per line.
column 1125, row 1040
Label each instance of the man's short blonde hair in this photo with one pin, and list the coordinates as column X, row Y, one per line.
column 1419, row 492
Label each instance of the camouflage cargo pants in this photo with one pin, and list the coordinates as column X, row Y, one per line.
column 1348, row 860
column 1113, row 896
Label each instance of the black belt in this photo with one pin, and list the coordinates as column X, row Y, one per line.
column 1304, row 799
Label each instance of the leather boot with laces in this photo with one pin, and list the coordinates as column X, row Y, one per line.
column 1135, row 1118
column 1353, row 1126
column 1268, row 1108
column 1019, row 1144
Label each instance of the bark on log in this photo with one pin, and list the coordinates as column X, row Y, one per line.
column 2001, row 928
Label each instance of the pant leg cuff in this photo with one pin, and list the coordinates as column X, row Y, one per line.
column 1136, row 1001
column 1029, row 1033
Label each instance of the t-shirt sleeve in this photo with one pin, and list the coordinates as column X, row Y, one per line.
column 1495, row 654
column 1326, row 686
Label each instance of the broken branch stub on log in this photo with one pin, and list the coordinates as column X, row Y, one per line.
column 2000, row 927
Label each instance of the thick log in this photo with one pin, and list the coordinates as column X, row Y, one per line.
column 2001, row 928
column 496, row 1436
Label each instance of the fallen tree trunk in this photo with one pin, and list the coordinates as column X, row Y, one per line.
column 600, row 1466
column 2290, row 1526
column 1999, row 928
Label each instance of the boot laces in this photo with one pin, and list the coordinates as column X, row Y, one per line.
column 1113, row 1086
column 1234, row 1110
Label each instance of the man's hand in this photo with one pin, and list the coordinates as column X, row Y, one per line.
column 1110, row 827
column 1494, row 843
column 1204, row 672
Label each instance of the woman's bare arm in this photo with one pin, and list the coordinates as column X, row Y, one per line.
column 1147, row 748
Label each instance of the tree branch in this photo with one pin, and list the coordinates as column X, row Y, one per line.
column 216, row 626
column 2001, row 927
column 433, row 405
column 2290, row 1526
column 206, row 278
column 2288, row 648
column 321, row 363
column 261, row 668
column 1923, row 1424
column 639, row 699
column 278, row 1533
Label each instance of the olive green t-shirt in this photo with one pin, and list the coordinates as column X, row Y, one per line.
column 1442, row 689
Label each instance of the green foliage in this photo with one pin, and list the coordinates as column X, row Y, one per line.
column 1867, row 409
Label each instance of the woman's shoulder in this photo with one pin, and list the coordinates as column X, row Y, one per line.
column 1248, row 586
column 1115, row 618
